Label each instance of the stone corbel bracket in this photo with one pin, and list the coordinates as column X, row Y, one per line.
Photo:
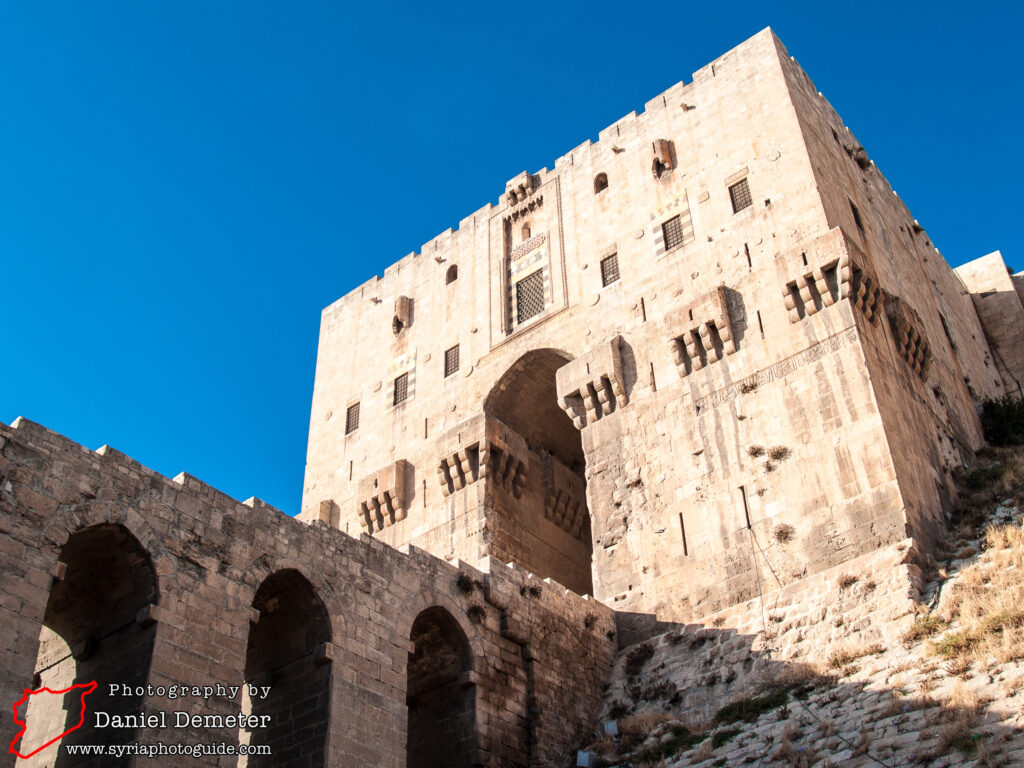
column 565, row 502
column 701, row 332
column 459, row 469
column 592, row 386
column 503, row 468
column 482, row 460
column 830, row 270
column 384, row 497
column 911, row 345
column 567, row 512
column 519, row 196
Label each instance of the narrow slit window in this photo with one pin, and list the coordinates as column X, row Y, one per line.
column 610, row 269
column 352, row 419
column 451, row 361
column 452, row 274
column 600, row 182
column 856, row 217
column 739, row 194
column 401, row 389
column 672, row 230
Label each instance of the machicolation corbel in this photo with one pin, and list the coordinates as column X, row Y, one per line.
column 826, row 273
column 592, row 386
column 905, row 324
column 383, row 497
column 701, row 332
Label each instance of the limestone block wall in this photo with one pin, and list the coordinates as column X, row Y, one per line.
column 930, row 362
column 719, row 308
column 236, row 583
column 735, row 652
column 996, row 296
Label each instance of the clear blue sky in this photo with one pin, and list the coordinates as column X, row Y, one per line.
column 185, row 185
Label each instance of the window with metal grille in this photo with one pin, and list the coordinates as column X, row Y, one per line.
column 401, row 389
column 672, row 230
column 451, row 361
column 530, row 296
column 609, row 269
column 739, row 193
column 352, row 419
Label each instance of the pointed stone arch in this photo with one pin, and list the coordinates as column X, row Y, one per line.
column 440, row 694
column 97, row 627
column 546, row 526
column 288, row 655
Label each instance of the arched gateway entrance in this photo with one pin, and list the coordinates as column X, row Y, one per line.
column 546, row 528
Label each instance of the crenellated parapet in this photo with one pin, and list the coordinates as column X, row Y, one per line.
column 830, row 270
column 383, row 497
column 592, row 386
column 701, row 332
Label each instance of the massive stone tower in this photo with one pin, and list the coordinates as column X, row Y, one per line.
column 715, row 329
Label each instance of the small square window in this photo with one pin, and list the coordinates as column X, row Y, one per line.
column 352, row 419
column 739, row 193
column 672, row 230
column 401, row 389
column 451, row 361
column 530, row 296
column 610, row 269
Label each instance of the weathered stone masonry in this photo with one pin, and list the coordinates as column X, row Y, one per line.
column 717, row 319
column 343, row 630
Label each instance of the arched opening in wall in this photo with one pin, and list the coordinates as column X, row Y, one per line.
column 600, row 182
column 544, row 524
column 526, row 232
column 286, row 657
column 452, row 274
column 95, row 629
column 440, row 695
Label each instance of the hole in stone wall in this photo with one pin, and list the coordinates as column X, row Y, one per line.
column 452, row 274
column 600, row 182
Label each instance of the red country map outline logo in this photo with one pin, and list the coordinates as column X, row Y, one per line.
column 87, row 688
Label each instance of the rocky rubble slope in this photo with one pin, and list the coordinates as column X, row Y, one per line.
column 840, row 674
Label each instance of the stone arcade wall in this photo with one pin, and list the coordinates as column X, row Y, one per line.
column 539, row 654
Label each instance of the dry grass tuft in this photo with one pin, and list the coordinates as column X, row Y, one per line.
column 783, row 532
column 924, row 626
column 841, row 657
column 704, row 751
column 987, row 603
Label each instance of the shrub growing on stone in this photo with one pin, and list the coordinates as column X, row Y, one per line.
column 1002, row 420
column 637, row 657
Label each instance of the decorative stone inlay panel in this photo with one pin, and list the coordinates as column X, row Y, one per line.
column 524, row 248
column 592, row 386
column 701, row 332
column 384, row 499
